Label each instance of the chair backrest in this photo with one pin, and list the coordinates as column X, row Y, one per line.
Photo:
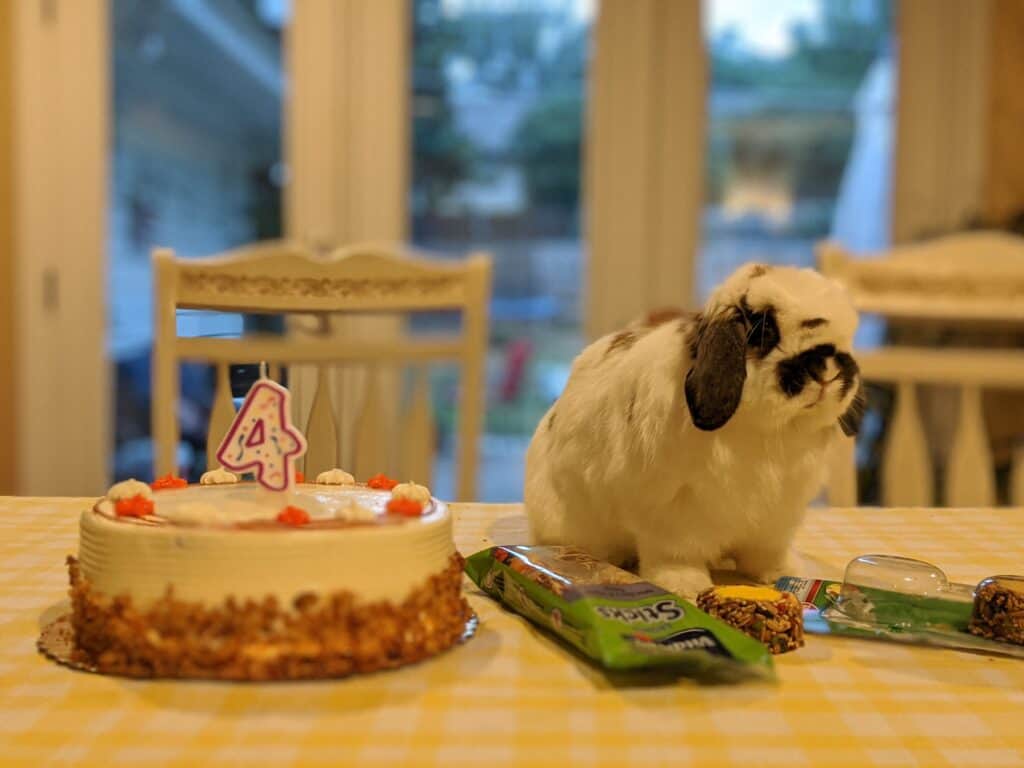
column 974, row 278
column 287, row 278
column 970, row 276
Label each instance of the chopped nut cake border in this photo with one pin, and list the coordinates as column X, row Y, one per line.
column 318, row 636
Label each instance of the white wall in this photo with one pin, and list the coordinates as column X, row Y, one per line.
column 60, row 143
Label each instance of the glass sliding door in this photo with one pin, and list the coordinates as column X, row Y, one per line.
column 800, row 108
column 196, row 166
column 497, row 105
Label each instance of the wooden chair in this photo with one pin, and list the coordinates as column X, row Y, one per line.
column 971, row 280
column 287, row 278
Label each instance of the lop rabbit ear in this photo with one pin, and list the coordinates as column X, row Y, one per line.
column 714, row 383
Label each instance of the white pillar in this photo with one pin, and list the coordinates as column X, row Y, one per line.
column 644, row 169
column 940, row 107
column 347, row 144
column 60, row 56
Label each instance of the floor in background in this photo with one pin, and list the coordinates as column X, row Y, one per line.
column 502, row 462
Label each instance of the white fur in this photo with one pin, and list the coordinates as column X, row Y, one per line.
column 641, row 481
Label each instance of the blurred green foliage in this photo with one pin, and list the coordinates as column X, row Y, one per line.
column 833, row 54
column 531, row 48
column 549, row 144
column 797, row 114
column 441, row 154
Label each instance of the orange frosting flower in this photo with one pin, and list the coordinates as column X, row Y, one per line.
column 405, row 507
column 293, row 516
column 168, row 481
column 381, row 482
column 299, row 477
column 136, row 506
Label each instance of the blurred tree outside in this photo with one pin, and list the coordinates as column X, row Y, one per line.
column 530, row 48
column 797, row 106
column 549, row 143
column 550, row 136
column 498, row 95
column 835, row 53
column 442, row 154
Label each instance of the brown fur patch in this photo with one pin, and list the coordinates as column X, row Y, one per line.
column 622, row 340
column 667, row 315
column 657, row 317
column 759, row 270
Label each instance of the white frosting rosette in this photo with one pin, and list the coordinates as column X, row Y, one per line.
column 335, row 477
column 129, row 489
column 412, row 492
column 218, row 476
column 354, row 512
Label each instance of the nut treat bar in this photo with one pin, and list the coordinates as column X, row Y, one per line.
column 998, row 612
column 612, row 616
column 769, row 616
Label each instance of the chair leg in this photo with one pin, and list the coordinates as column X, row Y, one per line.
column 164, row 368
column 474, row 362
column 906, row 464
column 165, row 414
column 221, row 414
column 470, row 419
column 841, row 488
column 970, row 480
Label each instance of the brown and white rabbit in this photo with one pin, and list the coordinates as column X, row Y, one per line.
column 703, row 438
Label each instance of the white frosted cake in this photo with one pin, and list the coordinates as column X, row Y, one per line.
column 228, row 580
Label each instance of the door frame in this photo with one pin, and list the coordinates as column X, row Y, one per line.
column 60, row 147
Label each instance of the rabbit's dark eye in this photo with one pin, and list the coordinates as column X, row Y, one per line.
column 762, row 331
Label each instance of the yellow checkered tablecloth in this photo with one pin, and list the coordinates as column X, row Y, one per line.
column 513, row 696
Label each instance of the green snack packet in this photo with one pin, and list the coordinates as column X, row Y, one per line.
column 848, row 609
column 612, row 616
column 886, row 609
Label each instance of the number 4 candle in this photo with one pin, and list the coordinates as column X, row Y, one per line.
column 262, row 438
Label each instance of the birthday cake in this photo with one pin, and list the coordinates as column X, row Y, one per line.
column 264, row 580
column 223, row 581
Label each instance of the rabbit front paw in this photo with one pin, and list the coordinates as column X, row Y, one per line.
column 683, row 580
column 768, row 567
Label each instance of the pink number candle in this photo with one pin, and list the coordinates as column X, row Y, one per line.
column 262, row 438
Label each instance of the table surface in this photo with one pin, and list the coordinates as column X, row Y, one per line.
column 512, row 695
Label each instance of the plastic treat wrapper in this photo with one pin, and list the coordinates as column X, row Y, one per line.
column 902, row 600
column 614, row 617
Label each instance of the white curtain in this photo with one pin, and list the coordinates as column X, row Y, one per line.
column 941, row 111
column 862, row 220
column 644, row 158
